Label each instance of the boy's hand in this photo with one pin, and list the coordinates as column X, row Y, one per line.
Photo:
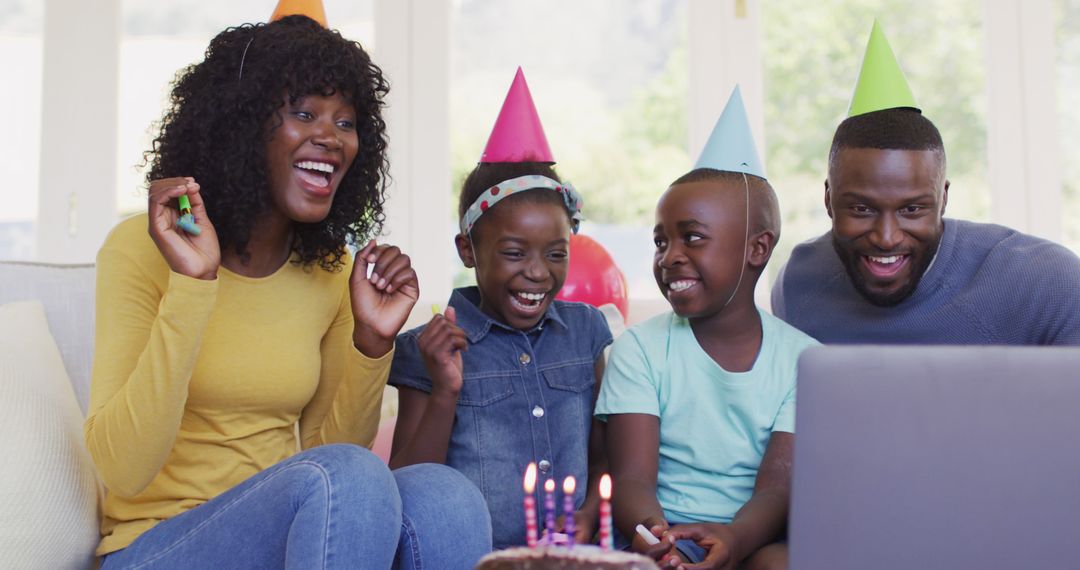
column 659, row 528
column 441, row 343
column 717, row 540
column 195, row 256
column 381, row 304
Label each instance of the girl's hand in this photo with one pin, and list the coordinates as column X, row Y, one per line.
column 381, row 303
column 195, row 256
column 441, row 344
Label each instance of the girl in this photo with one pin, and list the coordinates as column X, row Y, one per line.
column 218, row 352
column 507, row 375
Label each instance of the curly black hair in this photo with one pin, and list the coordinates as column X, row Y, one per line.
column 216, row 131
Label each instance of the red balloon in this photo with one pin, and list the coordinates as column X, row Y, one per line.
column 593, row 277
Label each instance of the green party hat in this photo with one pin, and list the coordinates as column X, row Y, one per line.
column 881, row 84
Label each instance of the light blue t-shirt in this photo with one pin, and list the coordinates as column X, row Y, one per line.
column 714, row 424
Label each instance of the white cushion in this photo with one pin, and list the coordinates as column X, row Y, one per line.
column 67, row 292
column 48, row 488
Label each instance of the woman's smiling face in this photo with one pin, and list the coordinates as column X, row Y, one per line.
column 308, row 154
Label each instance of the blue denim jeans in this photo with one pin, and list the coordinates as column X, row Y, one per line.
column 334, row 506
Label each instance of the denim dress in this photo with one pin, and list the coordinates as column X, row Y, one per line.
column 527, row 396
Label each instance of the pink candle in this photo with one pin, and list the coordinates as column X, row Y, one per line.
column 568, row 486
column 549, row 507
column 530, row 506
column 605, row 512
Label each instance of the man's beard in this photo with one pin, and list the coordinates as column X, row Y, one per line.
column 851, row 261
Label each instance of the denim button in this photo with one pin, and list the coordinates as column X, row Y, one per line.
column 524, row 358
column 538, row 412
column 544, row 465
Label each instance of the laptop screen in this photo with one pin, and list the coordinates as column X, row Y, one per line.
column 937, row 457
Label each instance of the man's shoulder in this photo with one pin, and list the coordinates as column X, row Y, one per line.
column 1016, row 251
column 812, row 248
column 1023, row 285
column 811, row 258
column 812, row 268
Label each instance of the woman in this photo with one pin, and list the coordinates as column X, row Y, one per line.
column 219, row 354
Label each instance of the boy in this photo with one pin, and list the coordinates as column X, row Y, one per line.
column 700, row 402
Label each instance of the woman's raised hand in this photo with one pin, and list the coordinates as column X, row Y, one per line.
column 197, row 256
column 381, row 303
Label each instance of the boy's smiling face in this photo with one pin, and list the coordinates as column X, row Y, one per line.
column 521, row 251
column 700, row 239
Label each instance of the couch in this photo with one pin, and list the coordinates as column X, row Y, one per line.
column 49, row 493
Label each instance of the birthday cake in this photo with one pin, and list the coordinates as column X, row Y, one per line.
column 580, row 557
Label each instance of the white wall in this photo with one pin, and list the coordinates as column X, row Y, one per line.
column 1022, row 136
column 413, row 49
column 81, row 59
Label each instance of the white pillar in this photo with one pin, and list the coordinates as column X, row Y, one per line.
column 1022, row 136
column 80, row 70
column 413, row 49
column 725, row 50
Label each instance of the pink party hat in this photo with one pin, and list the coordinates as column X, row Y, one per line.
column 518, row 135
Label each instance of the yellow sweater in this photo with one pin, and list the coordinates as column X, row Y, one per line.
column 198, row 385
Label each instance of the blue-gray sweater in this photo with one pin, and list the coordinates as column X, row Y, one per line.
column 988, row 285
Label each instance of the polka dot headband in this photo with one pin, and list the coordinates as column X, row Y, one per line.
column 506, row 188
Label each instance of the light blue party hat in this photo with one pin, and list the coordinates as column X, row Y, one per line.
column 731, row 145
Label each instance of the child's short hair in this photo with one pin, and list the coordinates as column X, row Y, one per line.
column 888, row 129
column 488, row 174
column 764, row 207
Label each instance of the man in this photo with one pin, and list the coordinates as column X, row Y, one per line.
column 893, row 269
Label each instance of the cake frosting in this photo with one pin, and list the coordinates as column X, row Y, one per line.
column 579, row 557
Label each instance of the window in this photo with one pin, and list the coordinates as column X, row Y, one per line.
column 20, row 57
column 609, row 80
column 1067, row 14
column 812, row 54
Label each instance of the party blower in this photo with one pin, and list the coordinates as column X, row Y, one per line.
column 187, row 219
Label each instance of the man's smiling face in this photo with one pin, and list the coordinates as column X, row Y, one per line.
column 887, row 208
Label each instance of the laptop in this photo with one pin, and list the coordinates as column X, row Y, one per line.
column 936, row 457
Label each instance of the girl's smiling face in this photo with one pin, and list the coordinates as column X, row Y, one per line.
column 520, row 250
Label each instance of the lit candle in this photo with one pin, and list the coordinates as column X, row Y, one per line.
column 530, row 506
column 549, row 507
column 605, row 512
column 568, row 486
